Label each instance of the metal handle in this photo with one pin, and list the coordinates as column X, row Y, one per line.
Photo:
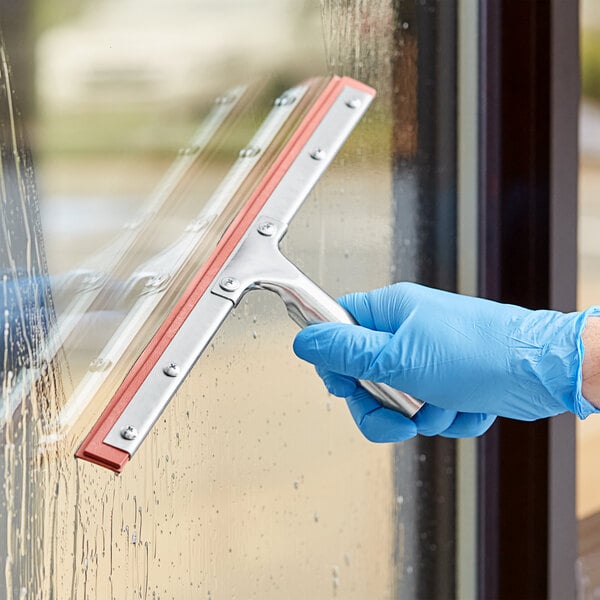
column 308, row 304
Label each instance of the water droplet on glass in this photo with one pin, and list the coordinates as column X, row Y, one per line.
column 422, row 457
column 335, row 573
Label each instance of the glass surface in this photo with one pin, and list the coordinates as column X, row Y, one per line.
column 254, row 483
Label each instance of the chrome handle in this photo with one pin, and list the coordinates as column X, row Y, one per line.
column 308, row 304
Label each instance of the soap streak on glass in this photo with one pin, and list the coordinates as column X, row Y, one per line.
column 30, row 385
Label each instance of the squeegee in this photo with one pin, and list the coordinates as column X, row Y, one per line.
column 230, row 247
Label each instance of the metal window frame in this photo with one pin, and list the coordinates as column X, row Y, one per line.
column 425, row 194
column 529, row 96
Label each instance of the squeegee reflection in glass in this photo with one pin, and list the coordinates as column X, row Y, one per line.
column 80, row 288
column 144, row 293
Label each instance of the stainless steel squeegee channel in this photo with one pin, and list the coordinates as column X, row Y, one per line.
column 84, row 284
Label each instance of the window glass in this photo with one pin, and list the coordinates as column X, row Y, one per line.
column 255, row 483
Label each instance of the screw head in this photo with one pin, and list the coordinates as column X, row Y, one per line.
column 249, row 152
column 354, row 103
column 189, row 150
column 98, row 365
column 267, row 228
column 318, row 154
column 285, row 100
column 129, row 433
column 133, row 224
column 229, row 284
column 156, row 283
column 171, row 370
column 198, row 225
column 91, row 280
column 224, row 99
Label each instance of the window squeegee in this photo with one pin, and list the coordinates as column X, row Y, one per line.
column 246, row 256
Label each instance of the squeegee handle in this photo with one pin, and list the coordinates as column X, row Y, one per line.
column 308, row 304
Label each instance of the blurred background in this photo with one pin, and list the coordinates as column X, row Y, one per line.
column 588, row 432
column 116, row 81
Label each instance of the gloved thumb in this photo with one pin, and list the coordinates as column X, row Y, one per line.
column 349, row 350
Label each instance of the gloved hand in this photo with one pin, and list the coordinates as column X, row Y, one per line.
column 469, row 359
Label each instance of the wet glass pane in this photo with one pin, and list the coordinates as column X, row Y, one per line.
column 254, row 483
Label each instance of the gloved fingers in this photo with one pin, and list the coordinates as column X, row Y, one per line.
column 358, row 304
column 433, row 420
column 379, row 424
column 469, row 425
column 338, row 385
column 348, row 350
column 383, row 309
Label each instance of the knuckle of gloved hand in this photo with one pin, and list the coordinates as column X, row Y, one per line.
column 403, row 287
column 406, row 291
column 432, row 420
column 470, row 425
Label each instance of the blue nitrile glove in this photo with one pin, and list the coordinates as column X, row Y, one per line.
column 467, row 358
